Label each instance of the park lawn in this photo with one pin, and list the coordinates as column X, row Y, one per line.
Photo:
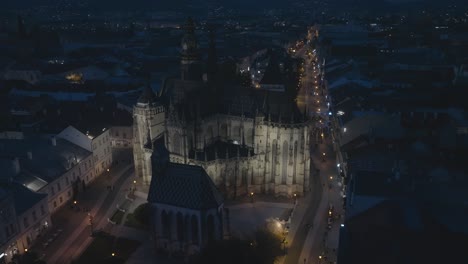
column 139, row 218
column 102, row 247
column 132, row 221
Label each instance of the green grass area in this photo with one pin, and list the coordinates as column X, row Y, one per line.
column 117, row 217
column 139, row 218
column 102, row 247
column 132, row 221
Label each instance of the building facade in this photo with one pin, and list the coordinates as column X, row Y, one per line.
column 97, row 141
column 24, row 217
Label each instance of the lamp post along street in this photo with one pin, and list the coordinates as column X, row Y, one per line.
column 90, row 218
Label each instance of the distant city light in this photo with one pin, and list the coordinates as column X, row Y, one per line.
column 342, row 225
column 340, row 113
column 344, row 129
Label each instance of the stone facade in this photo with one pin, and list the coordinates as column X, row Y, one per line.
column 280, row 163
column 148, row 125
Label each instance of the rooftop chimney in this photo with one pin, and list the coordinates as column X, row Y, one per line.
column 53, row 141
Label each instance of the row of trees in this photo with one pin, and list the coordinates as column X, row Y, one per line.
column 263, row 249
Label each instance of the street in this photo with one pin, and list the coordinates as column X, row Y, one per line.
column 318, row 242
column 72, row 224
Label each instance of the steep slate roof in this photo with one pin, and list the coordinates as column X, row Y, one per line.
column 48, row 162
column 185, row 186
column 25, row 198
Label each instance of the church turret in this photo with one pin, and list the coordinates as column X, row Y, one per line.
column 148, row 96
column 190, row 57
column 148, row 125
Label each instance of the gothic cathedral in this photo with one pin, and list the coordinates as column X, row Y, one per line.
column 248, row 140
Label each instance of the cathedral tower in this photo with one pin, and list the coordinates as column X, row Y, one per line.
column 212, row 60
column 148, row 125
column 190, row 64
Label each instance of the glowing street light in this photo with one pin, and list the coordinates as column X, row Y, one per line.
column 113, row 254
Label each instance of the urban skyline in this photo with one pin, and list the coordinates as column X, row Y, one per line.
column 233, row 132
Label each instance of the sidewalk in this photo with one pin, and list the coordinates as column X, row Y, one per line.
column 103, row 223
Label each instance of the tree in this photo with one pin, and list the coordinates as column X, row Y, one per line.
column 142, row 214
column 264, row 249
column 230, row 252
column 268, row 245
column 29, row 258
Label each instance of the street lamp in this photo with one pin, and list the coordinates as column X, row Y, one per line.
column 113, row 254
column 251, row 197
column 90, row 218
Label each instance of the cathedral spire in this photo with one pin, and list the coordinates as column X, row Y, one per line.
column 304, row 117
column 21, row 27
column 212, row 59
column 279, row 114
column 190, row 57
